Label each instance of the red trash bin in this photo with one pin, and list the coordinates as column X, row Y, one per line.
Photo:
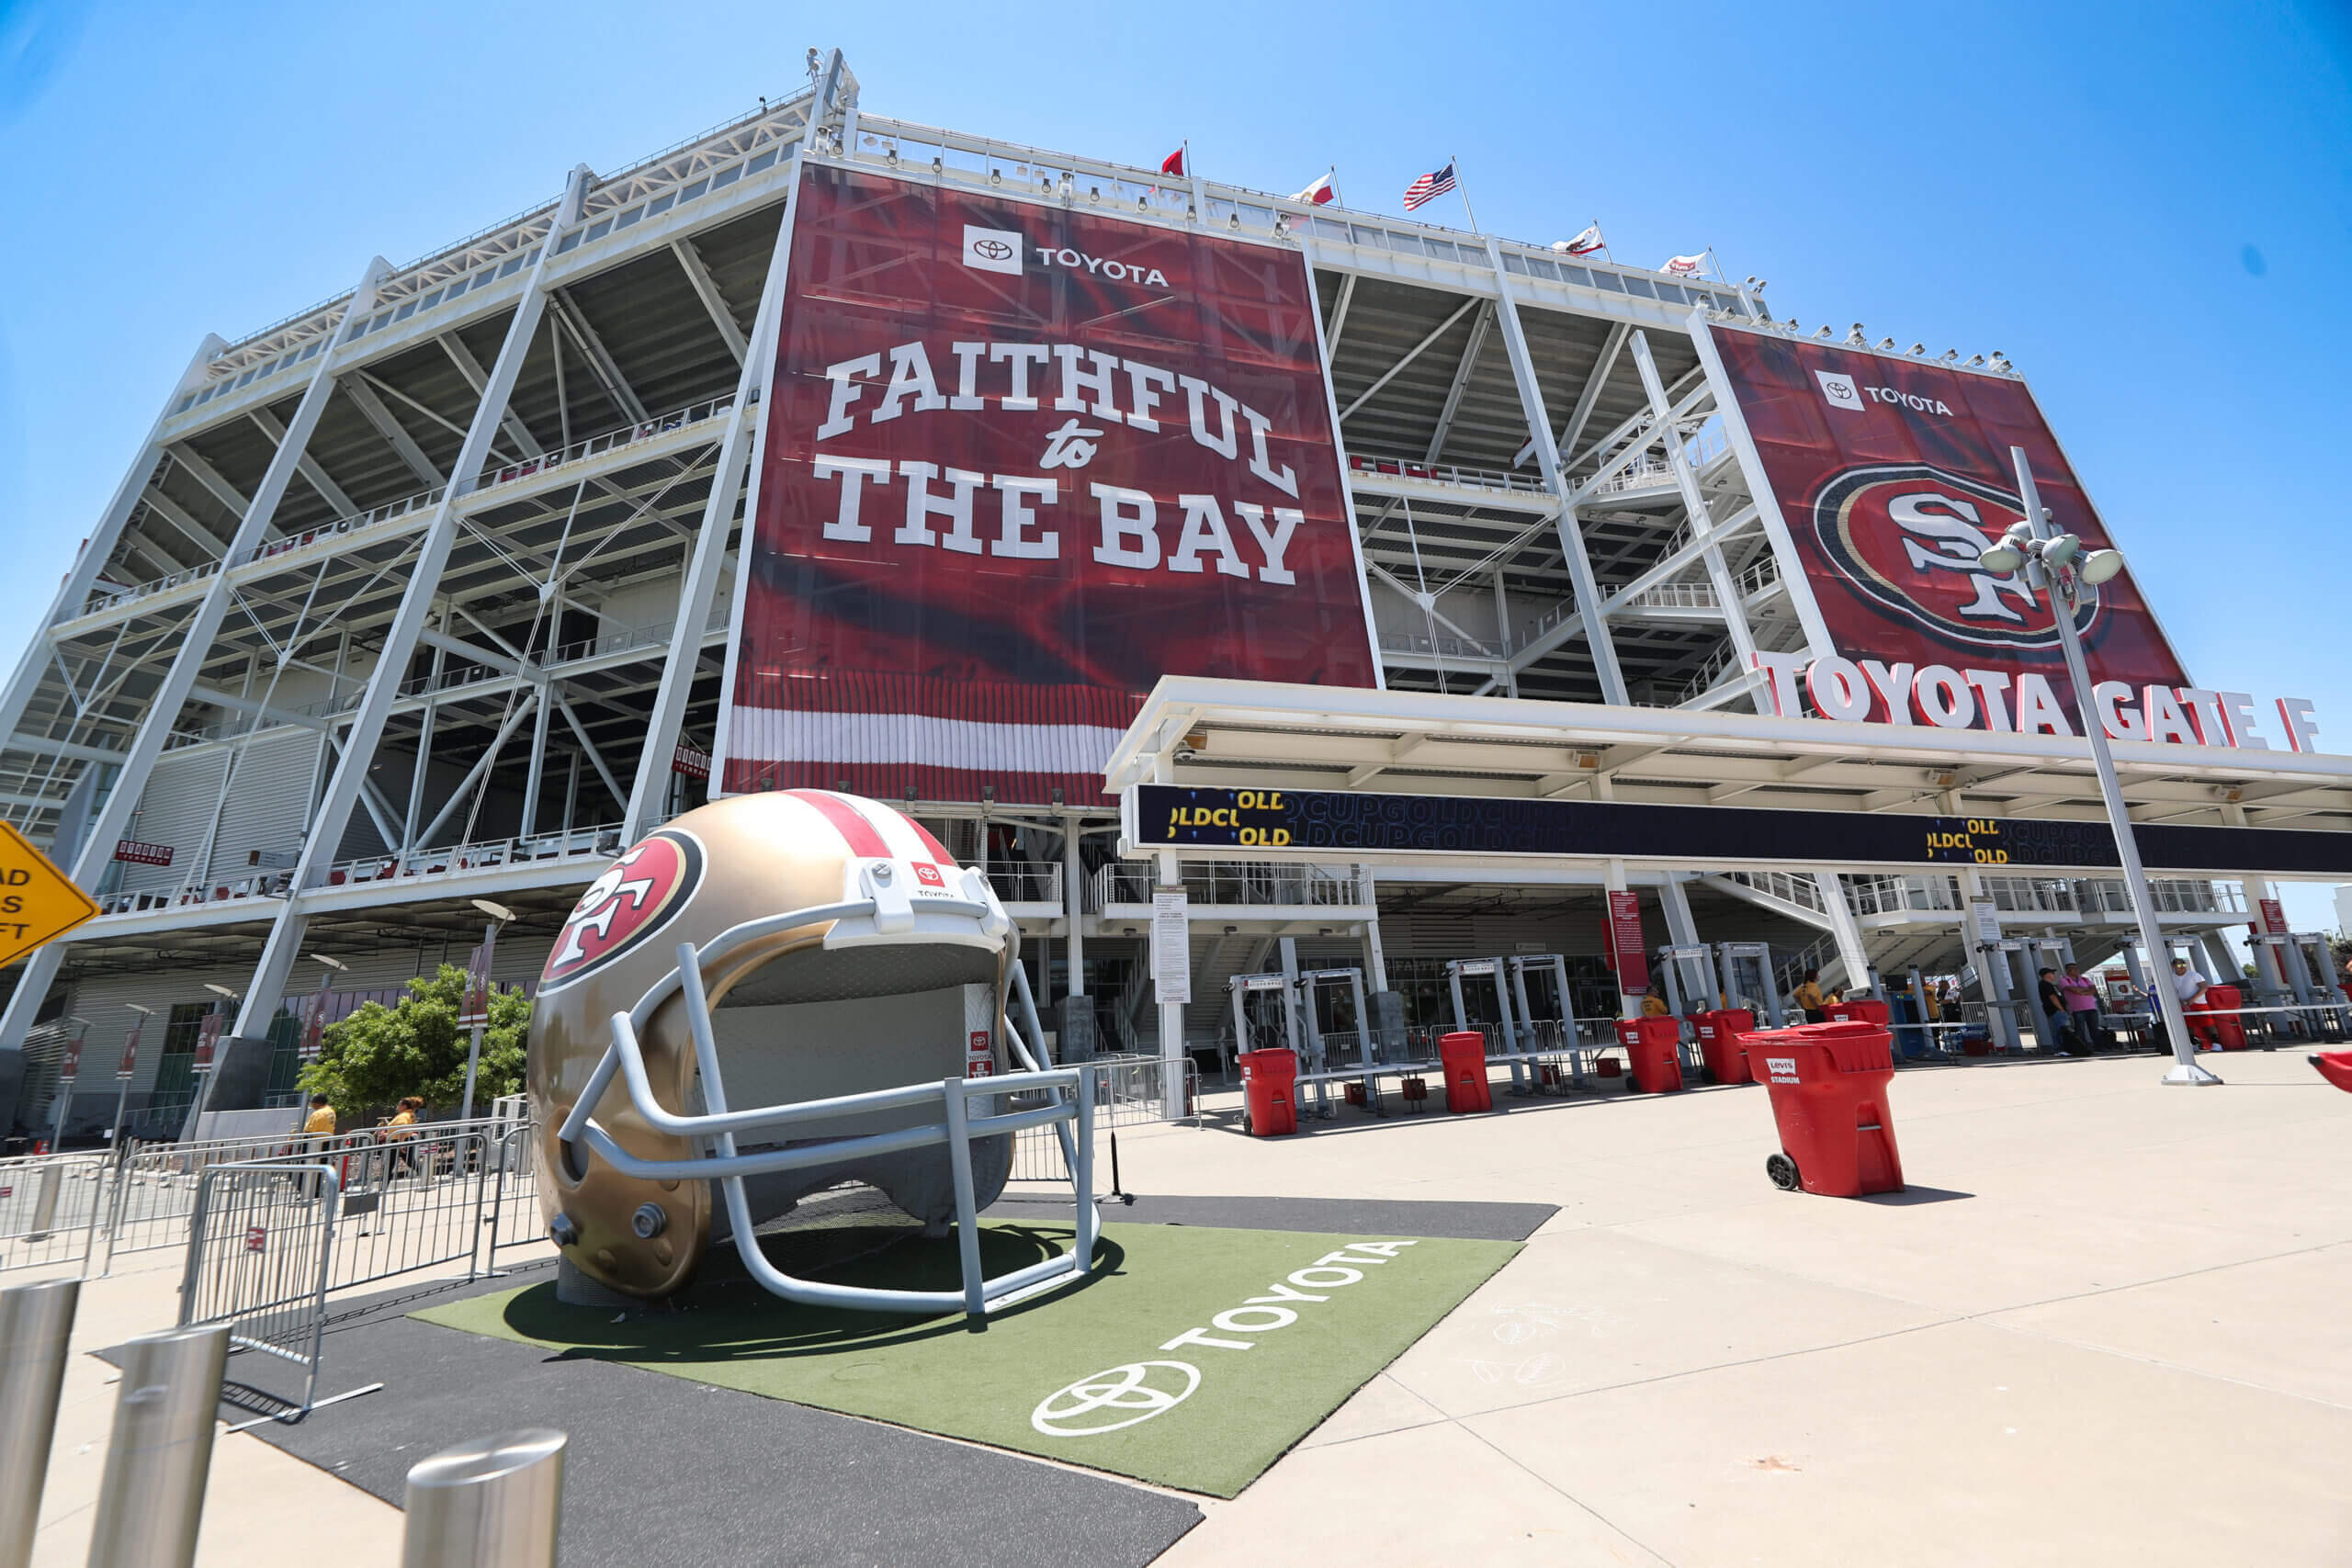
column 1828, row 1087
column 1654, row 1047
column 1861, row 1010
column 1268, row 1103
column 1462, row 1058
column 2215, row 1018
column 1719, row 1035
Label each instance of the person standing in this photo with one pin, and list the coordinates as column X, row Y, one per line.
column 1807, row 996
column 2052, row 1004
column 318, row 1132
column 2189, row 986
column 2082, row 1006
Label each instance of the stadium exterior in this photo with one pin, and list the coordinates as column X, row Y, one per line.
column 423, row 595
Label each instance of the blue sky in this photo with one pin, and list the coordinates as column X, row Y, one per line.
column 2148, row 207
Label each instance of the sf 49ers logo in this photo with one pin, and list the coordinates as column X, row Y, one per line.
column 1907, row 536
column 636, row 897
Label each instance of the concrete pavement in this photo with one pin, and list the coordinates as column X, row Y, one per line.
column 2108, row 1324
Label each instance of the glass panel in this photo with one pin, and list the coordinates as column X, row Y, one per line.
column 727, row 176
column 1639, row 286
column 1610, row 281
column 1514, row 262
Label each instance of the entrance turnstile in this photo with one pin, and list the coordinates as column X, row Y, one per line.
column 1747, row 982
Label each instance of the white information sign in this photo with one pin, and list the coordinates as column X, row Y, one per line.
column 1988, row 921
column 1172, row 948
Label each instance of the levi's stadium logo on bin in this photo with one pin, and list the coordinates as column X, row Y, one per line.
column 1907, row 535
column 1782, row 1069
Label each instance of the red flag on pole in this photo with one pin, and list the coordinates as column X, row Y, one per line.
column 1173, row 164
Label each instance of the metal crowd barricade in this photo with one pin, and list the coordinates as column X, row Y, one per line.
column 1128, row 1092
column 154, row 1182
column 49, row 1208
column 261, row 1249
column 411, row 1201
column 511, row 1192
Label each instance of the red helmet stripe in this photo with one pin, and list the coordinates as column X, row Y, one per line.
column 938, row 852
column 848, row 821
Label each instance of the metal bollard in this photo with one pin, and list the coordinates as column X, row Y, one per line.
column 492, row 1502
column 150, row 1499
column 35, row 1323
column 45, row 1203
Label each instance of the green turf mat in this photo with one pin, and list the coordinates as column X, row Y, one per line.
column 1134, row 1372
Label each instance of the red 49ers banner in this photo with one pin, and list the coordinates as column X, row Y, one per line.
column 1021, row 460
column 1893, row 475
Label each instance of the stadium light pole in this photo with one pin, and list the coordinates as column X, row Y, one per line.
column 499, row 916
column 2055, row 561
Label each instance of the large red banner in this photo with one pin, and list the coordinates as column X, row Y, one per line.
column 1023, row 460
column 1893, row 474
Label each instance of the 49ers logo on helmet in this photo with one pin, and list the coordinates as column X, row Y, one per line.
column 1907, row 535
column 636, row 897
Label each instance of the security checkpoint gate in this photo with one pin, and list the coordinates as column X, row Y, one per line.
column 1485, row 973
column 1547, row 1037
column 1320, row 995
column 1747, row 982
column 1691, row 978
column 2309, row 998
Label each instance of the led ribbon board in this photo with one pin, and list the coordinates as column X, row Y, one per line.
column 1328, row 824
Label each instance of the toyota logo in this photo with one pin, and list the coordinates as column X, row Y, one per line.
column 993, row 250
column 1110, row 1397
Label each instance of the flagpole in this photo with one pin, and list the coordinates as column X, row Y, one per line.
column 1334, row 171
column 1717, row 264
column 1604, row 242
column 1462, row 190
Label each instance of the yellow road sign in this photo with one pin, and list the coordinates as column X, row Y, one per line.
column 39, row 903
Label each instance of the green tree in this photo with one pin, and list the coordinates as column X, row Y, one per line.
column 381, row 1054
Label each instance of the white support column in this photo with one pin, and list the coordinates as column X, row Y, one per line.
column 1547, row 459
column 196, row 643
column 1999, row 1023
column 1818, row 642
column 97, row 547
column 1679, row 926
column 1702, row 522
column 2266, row 957
column 1375, row 955
column 534, row 779
column 738, row 452
column 400, row 638
column 1843, row 926
column 1171, row 1013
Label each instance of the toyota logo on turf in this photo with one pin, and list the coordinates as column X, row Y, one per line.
column 1907, row 535
column 1100, row 1404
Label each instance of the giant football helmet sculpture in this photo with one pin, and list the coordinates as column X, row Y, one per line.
column 771, row 995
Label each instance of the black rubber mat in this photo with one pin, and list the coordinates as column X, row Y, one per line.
column 667, row 1473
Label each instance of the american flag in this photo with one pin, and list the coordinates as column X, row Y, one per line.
column 1428, row 188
